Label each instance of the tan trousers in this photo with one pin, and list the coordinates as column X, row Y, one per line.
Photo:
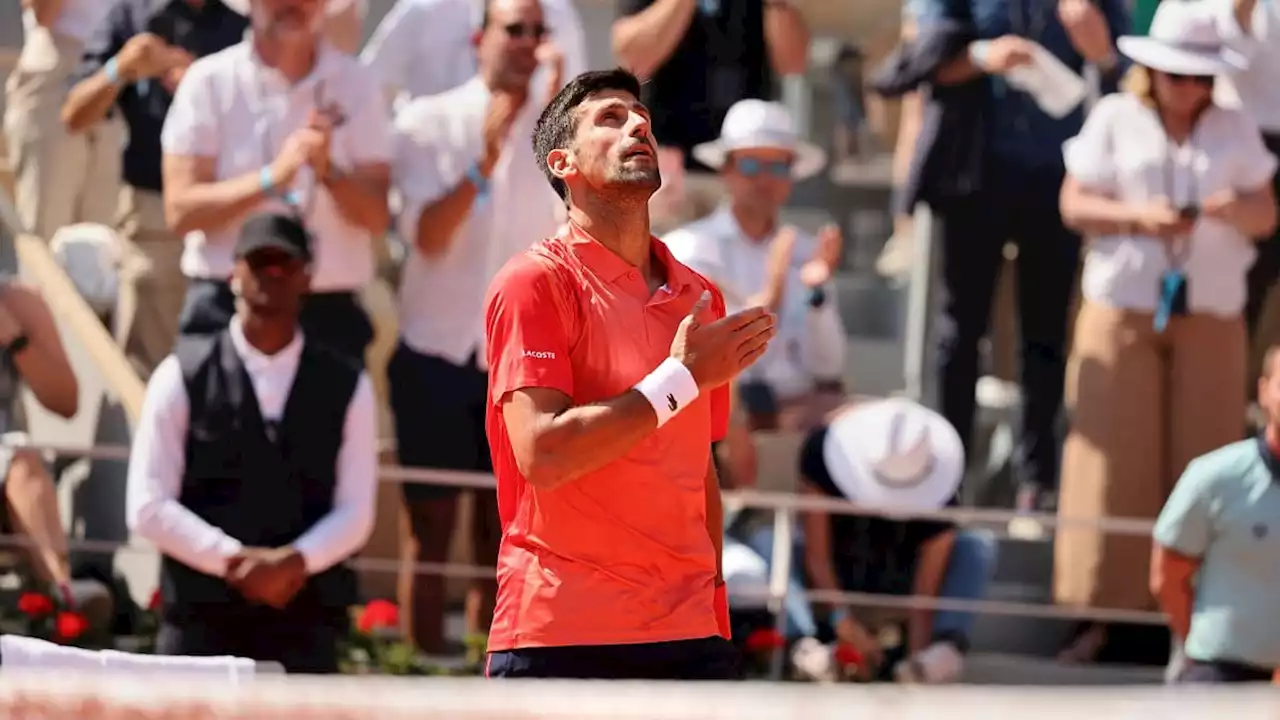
column 1144, row 405
column 59, row 178
column 152, row 285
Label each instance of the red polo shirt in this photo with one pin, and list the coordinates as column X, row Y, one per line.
column 620, row 555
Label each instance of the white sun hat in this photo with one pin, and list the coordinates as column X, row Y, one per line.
column 1184, row 40
column 755, row 124
column 332, row 7
column 894, row 454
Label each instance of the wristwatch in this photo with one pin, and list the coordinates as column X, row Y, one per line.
column 15, row 346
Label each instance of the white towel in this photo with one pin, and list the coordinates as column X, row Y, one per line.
column 234, row 670
column 18, row 652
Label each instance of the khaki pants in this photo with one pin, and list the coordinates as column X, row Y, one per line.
column 59, row 178
column 152, row 287
column 1144, row 405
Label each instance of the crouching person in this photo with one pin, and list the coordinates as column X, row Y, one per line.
column 254, row 472
column 899, row 458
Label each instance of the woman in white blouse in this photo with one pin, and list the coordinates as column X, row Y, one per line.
column 1170, row 188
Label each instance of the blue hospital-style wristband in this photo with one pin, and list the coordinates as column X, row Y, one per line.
column 112, row 70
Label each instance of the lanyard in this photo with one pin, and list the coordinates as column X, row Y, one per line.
column 1170, row 166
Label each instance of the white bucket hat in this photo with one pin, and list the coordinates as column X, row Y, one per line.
column 332, row 7
column 1184, row 40
column 751, row 124
column 894, row 454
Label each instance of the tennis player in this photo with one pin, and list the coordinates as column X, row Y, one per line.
column 608, row 363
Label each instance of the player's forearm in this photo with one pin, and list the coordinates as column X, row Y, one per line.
column 585, row 438
column 46, row 12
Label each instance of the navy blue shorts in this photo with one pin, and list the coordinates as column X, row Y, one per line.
column 712, row 658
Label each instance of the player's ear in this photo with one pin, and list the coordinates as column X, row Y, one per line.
column 562, row 163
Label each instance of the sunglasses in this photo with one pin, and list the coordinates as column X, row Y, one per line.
column 751, row 167
column 518, row 31
column 1205, row 80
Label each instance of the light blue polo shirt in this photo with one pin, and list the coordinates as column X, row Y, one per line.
column 1225, row 510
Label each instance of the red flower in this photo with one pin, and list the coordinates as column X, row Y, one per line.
column 154, row 605
column 848, row 655
column 378, row 614
column 71, row 625
column 34, row 604
column 765, row 640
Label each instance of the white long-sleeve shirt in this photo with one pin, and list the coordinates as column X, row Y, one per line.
column 158, row 462
column 810, row 344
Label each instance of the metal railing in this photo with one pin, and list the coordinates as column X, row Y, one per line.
column 784, row 507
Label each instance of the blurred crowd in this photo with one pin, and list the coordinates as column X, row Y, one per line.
column 1136, row 223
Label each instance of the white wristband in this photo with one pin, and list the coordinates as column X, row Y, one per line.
column 979, row 50
column 669, row 389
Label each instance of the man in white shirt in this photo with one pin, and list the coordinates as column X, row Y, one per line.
column 59, row 179
column 745, row 250
column 254, row 472
column 282, row 122
column 473, row 198
column 424, row 47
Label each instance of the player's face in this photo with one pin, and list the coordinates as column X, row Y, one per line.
column 614, row 147
column 1269, row 389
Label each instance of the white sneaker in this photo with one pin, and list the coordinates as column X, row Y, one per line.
column 813, row 661
column 940, row 663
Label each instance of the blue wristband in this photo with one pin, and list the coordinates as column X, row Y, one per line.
column 112, row 70
column 265, row 181
column 837, row 615
column 481, row 183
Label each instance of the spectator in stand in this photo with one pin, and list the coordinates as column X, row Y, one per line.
column 31, row 354
column 893, row 456
column 132, row 65
column 755, row 260
column 1252, row 28
column 425, row 47
column 281, row 122
column 1171, row 189
column 1214, row 558
column 474, row 197
column 1017, row 174
column 254, row 472
column 701, row 57
column 59, row 179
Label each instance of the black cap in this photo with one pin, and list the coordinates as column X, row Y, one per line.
column 277, row 232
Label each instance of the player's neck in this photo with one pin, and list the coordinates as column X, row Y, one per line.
column 624, row 231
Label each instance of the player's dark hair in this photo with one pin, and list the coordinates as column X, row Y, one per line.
column 558, row 123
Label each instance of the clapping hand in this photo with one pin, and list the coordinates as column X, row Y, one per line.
column 550, row 56
column 1087, row 28
column 822, row 266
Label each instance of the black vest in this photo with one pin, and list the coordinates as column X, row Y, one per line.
column 264, row 489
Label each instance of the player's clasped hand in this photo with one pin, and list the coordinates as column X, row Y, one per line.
column 716, row 351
